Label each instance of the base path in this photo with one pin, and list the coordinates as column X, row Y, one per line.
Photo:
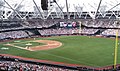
column 49, row 44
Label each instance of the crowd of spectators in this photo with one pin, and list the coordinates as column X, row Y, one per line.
column 40, row 23
column 110, row 32
column 8, row 63
column 46, row 24
column 13, row 34
column 101, row 23
column 10, row 25
column 21, row 66
column 58, row 31
column 88, row 31
column 65, row 31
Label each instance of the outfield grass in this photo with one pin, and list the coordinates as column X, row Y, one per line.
column 81, row 50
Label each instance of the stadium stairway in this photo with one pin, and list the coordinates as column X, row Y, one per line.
column 100, row 31
column 32, row 32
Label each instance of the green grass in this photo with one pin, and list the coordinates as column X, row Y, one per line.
column 81, row 50
column 24, row 44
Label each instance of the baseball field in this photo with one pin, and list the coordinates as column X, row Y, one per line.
column 81, row 50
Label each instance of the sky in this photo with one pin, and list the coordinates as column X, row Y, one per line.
column 88, row 5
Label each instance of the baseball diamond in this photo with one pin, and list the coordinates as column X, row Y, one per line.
column 48, row 44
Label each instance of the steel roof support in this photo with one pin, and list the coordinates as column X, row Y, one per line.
column 68, row 15
column 114, row 6
column 79, row 10
column 59, row 13
column 91, row 14
column 98, row 8
column 13, row 9
column 49, row 12
column 1, row 4
column 42, row 17
column 1, row 15
column 59, row 8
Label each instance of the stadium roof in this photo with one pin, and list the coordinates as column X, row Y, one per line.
column 9, row 8
column 85, row 5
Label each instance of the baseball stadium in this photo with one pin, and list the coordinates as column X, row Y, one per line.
column 59, row 35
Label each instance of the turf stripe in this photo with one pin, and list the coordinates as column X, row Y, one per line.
column 70, row 59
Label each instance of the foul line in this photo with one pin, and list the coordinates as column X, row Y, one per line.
column 18, row 47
